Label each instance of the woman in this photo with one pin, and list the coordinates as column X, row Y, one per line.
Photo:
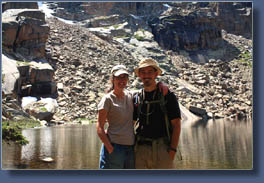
column 116, row 107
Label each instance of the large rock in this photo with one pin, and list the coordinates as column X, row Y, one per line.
column 80, row 11
column 24, row 33
column 197, row 111
column 36, row 79
column 190, row 32
column 235, row 17
column 43, row 109
column 19, row 5
column 10, row 76
column 27, row 78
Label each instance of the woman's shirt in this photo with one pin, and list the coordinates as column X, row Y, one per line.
column 119, row 117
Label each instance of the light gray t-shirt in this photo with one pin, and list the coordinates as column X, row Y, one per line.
column 119, row 117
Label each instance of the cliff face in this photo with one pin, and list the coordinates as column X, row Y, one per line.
column 190, row 33
column 83, row 10
column 25, row 69
column 187, row 26
column 18, row 5
column 195, row 26
column 235, row 18
column 24, row 33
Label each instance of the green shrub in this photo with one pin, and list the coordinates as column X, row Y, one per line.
column 12, row 130
column 10, row 133
column 139, row 38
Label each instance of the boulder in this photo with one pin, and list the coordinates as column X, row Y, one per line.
column 10, row 76
column 36, row 79
column 24, row 33
column 197, row 111
column 43, row 109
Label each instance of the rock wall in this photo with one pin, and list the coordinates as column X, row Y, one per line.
column 26, row 71
column 189, row 26
column 235, row 18
column 24, row 37
column 80, row 11
column 24, row 33
column 19, row 5
column 196, row 26
column 190, row 33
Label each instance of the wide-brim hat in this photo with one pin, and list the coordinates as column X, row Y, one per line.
column 118, row 70
column 146, row 63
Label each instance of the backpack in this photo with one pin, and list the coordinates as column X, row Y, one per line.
column 162, row 102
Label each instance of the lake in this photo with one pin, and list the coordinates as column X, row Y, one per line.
column 214, row 144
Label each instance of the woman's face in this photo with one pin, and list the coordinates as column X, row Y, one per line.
column 120, row 81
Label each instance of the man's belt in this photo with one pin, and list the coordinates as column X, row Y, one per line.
column 149, row 141
column 144, row 142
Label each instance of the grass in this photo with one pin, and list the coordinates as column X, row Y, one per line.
column 43, row 109
column 21, row 63
column 139, row 38
column 3, row 78
column 142, row 30
column 116, row 26
column 245, row 58
column 12, row 130
column 85, row 121
column 123, row 37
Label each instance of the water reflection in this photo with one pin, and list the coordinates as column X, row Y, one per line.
column 217, row 144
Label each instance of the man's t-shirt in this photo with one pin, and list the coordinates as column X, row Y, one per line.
column 156, row 126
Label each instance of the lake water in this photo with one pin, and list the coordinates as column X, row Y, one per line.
column 219, row 144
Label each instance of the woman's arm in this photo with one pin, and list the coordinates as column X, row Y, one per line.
column 162, row 88
column 102, row 115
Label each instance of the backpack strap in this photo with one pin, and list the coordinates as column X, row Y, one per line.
column 139, row 102
column 164, row 109
column 161, row 101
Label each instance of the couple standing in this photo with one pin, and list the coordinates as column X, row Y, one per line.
column 146, row 143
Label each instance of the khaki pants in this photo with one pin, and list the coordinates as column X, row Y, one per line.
column 153, row 156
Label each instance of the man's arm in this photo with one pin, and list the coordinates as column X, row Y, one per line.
column 176, row 126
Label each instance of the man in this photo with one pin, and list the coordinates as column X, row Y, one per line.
column 156, row 146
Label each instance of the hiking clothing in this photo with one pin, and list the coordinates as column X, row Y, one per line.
column 120, row 131
column 119, row 117
column 153, row 155
column 151, row 149
column 156, row 126
column 121, row 158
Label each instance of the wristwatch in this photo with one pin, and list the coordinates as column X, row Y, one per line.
column 172, row 149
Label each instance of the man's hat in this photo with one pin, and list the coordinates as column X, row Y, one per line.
column 148, row 62
column 118, row 70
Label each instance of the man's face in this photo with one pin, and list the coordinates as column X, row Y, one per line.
column 148, row 75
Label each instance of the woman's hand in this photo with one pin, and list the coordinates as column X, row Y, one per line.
column 163, row 88
column 110, row 149
column 102, row 116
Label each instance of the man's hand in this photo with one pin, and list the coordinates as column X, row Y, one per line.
column 172, row 154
